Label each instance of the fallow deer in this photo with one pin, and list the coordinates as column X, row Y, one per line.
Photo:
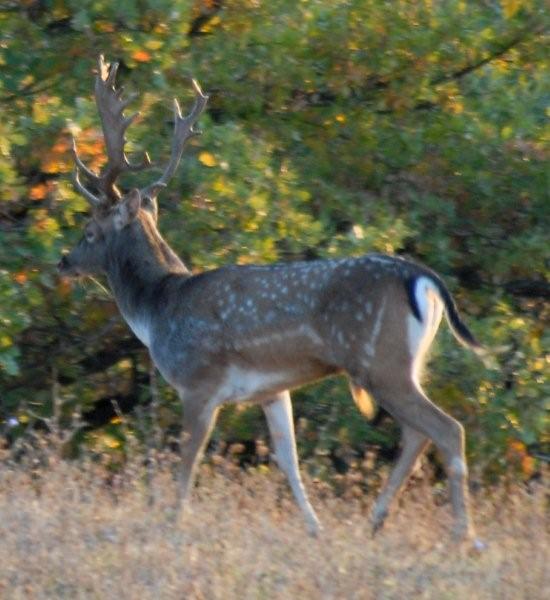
column 252, row 333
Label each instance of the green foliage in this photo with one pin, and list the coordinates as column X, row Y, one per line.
column 334, row 128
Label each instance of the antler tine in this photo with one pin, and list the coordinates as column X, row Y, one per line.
column 93, row 200
column 183, row 131
column 114, row 124
column 111, row 108
column 88, row 172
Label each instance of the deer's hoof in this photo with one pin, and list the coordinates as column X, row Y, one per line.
column 377, row 521
column 478, row 546
column 463, row 532
column 314, row 528
column 172, row 515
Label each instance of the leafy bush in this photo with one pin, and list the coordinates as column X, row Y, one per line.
column 334, row 128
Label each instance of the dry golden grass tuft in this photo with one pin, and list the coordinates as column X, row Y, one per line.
column 64, row 533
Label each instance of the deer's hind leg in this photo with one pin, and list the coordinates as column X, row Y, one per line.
column 413, row 445
column 410, row 407
column 278, row 411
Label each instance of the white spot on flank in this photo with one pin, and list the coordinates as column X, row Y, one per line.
column 371, row 344
column 311, row 334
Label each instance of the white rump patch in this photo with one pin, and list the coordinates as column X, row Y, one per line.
column 421, row 334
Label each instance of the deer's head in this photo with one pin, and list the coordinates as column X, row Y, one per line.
column 117, row 219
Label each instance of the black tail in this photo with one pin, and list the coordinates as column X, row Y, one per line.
column 458, row 327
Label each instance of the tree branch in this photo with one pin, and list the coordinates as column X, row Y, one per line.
column 529, row 288
column 505, row 48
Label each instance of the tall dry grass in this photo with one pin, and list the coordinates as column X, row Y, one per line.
column 66, row 533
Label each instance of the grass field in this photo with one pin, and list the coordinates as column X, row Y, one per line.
column 64, row 533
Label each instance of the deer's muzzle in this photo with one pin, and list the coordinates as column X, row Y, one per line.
column 64, row 266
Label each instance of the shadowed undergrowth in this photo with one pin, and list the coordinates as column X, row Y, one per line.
column 65, row 533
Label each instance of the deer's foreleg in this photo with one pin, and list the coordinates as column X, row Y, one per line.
column 278, row 412
column 199, row 417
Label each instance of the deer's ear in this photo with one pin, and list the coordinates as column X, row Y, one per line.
column 128, row 209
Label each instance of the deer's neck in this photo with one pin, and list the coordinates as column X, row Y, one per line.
column 138, row 267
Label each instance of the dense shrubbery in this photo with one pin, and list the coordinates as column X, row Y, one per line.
column 334, row 128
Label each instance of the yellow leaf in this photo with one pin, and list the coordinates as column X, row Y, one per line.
column 510, row 7
column 456, row 106
column 40, row 112
column 506, row 132
column 111, row 442
column 154, row 44
column 209, row 25
column 27, row 81
column 208, row 159
column 221, row 185
column 46, row 225
column 258, row 202
column 5, row 341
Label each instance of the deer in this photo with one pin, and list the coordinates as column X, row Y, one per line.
column 254, row 333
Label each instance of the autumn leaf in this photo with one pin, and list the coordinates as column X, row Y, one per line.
column 64, row 287
column 105, row 26
column 510, row 7
column 208, row 159
column 20, row 277
column 38, row 191
column 141, row 56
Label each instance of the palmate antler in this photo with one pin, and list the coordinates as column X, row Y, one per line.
column 111, row 108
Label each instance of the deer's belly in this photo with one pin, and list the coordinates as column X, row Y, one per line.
column 258, row 382
column 249, row 383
